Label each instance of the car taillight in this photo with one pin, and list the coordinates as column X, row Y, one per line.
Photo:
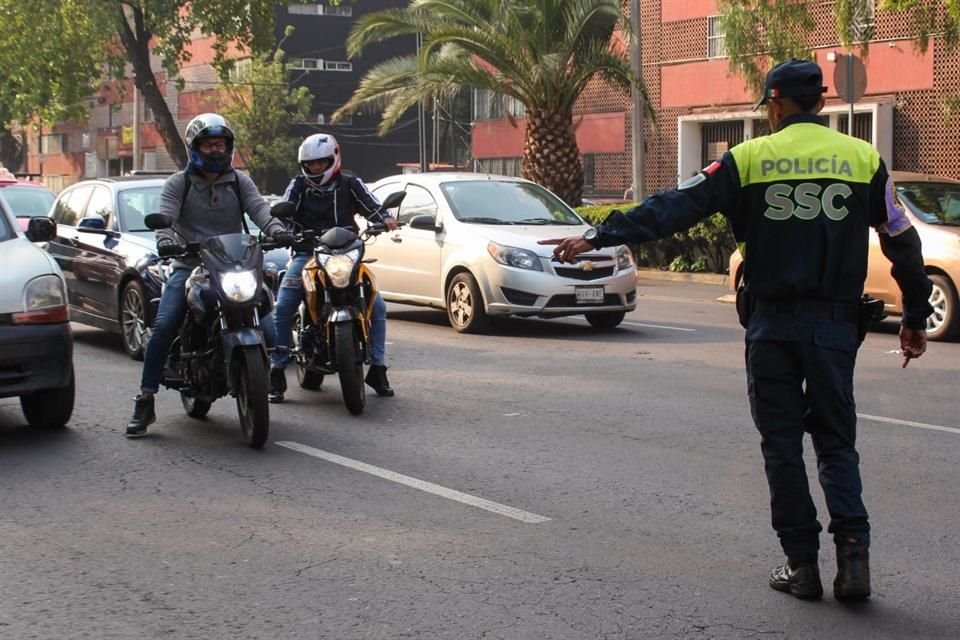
column 49, row 315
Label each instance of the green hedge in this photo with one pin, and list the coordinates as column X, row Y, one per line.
column 704, row 247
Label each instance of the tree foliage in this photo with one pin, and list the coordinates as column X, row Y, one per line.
column 543, row 53
column 53, row 50
column 261, row 108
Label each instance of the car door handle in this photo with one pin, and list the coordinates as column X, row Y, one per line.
column 396, row 237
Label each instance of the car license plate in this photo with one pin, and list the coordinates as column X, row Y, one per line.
column 588, row 295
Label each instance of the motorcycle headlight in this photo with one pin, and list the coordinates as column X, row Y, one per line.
column 239, row 286
column 513, row 257
column 340, row 267
column 624, row 258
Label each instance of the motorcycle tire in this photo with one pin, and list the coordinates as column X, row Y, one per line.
column 350, row 368
column 309, row 380
column 253, row 407
column 195, row 407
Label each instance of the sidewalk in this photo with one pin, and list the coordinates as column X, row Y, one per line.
column 644, row 273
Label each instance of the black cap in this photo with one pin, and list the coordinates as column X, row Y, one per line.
column 792, row 78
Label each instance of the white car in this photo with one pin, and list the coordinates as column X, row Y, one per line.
column 468, row 244
column 36, row 344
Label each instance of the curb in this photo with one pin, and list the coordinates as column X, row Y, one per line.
column 677, row 276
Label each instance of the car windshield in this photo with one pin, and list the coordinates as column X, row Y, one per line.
column 505, row 202
column 28, row 202
column 932, row 202
column 135, row 203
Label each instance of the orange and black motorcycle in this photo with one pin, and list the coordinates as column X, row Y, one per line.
column 331, row 331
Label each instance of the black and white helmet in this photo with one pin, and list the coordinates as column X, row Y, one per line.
column 319, row 146
column 209, row 125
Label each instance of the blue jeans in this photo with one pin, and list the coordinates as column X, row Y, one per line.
column 288, row 301
column 170, row 315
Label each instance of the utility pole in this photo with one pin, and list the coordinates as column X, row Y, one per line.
column 636, row 117
column 422, row 123
column 136, row 127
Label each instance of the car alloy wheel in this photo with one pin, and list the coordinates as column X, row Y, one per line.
column 465, row 305
column 943, row 322
column 133, row 320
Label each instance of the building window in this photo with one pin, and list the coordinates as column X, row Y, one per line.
column 319, row 9
column 53, row 143
column 490, row 106
column 331, row 65
column 589, row 172
column 864, row 19
column 716, row 38
column 862, row 125
column 315, row 64
column 240, row 70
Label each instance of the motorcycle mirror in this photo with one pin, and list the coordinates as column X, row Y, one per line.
column 284, row 209
column 158, row 221
column 393, row 200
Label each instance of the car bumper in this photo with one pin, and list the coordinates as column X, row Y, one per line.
column 34, row 358
column 510, row 291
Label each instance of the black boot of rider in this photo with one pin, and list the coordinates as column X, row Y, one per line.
column 377, row 378
column 143, row 416
column 278, row 384
column 853, row 571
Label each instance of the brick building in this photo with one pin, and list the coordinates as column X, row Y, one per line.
column 702, row 110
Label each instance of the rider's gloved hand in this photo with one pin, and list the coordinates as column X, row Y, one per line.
column 167, row 247
column 283, row 237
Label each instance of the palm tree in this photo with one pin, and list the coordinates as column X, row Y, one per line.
column 543, row 53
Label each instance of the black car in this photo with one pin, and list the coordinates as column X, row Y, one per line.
column 108, row 255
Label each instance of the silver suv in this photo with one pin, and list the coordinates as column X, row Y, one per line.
column 36, row 344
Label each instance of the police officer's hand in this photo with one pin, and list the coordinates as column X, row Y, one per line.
column 283, row 238
column 167, row 247
column 390, row 223
column 913, row 343
column 568, row 248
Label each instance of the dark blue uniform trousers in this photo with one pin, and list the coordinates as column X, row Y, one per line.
column 801, row 385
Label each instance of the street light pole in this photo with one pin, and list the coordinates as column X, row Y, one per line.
column 636, row 116
column 136, row 127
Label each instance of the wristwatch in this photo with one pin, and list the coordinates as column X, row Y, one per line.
column 592, row 236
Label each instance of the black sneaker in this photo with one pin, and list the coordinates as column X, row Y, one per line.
column 377, row 378
column 801, row 580
column 278, row 384
column 143, row 416
column 853, row 571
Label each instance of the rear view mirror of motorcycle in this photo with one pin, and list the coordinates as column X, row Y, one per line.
column 284, row 209
column 393, row 200
column 158, row 221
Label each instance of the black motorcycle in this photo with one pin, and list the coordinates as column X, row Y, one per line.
column 331, row 331
column 220, row 348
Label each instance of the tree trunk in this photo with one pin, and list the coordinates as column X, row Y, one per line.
column 551, row 157
column 136, row 41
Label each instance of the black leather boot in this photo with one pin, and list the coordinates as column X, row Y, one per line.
column 853, row 571
column 800, row 579
column 278, row 384
column 143, row 416
column 377, row 378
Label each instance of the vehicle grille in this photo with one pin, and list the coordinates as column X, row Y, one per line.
column 579, row 274
column 523, row 298
column 569, row 300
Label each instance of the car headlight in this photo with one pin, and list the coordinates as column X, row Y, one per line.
column 339, row 268
column 239, row 286
column 44, row 301
column 513, row 257
column 624, row 258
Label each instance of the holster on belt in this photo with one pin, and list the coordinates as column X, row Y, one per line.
column 744, row 305
column 870, row 311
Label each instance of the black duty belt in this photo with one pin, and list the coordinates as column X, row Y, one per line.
column 821, row 309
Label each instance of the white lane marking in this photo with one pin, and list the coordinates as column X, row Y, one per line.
column 429, row 487
column 637, row 324
column 908, row 423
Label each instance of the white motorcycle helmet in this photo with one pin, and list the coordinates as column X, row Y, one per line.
column 319, row 146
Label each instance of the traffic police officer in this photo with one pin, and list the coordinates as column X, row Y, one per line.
column 800, row 202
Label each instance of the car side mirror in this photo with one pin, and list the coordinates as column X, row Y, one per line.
column 158, row 221
column 41, row 229
column 425, row 222
column 93, row 222
column 283, row 209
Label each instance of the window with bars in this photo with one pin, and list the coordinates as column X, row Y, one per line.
column 490, row 106
column 716, row 38
column 862, row 125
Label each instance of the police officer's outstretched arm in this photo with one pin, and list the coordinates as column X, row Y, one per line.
column 715, row 188
column 900, row 243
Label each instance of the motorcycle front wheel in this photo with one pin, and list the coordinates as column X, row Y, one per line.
column 251, row 389
column 310, row 380
column 195, row 407
column 350, row 367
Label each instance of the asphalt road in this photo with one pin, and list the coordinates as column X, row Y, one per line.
column 543, row 481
